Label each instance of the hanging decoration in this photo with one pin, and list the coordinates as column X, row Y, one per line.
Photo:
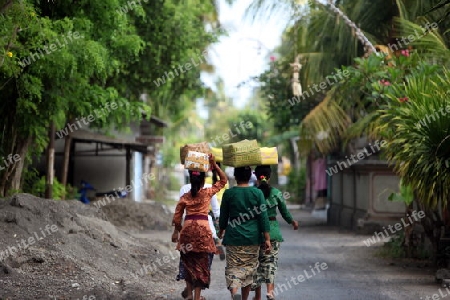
column 296, row 86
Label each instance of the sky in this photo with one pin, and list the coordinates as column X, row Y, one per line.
column 245, row 52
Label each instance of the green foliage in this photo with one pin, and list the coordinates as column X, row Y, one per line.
column 248, row 124
column 29, row 179
column 297, row 184
column 276, row 92
column 417, row 133
column 59, row 191
column 394, row 248
column 174, row 183
column 116, row 58
column 171, row 155
column 406, row 194
column 403, row 100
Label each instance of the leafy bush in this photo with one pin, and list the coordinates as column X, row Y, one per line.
column 174, row 183
column 35, row 185
column 297, row 184
column 395, row 248
column 39, row 189
column 30, row 179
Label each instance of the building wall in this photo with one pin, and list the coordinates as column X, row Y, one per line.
column 359, row 195
column 104, row 173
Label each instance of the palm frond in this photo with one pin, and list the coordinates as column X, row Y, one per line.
column 365, row 126
column 429, row 42
column 438, row 6
column 323, row 127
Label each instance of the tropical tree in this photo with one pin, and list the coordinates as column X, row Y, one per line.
column 325, row 43
column 417, row 130
column 115, row 59
column 378, row 97
column 399, row 97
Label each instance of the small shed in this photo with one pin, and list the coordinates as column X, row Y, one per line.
column 108, row 163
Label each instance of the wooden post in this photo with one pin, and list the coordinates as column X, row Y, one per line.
column 127, row 167
column 65, row 168
column 71, row 169
column 50, row 162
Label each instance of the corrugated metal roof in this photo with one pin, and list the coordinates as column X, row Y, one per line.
column 93, row 137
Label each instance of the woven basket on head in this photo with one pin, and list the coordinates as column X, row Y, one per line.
column 240, row 154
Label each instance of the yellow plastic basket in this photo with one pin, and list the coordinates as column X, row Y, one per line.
column 217, row 153
column 269, row 155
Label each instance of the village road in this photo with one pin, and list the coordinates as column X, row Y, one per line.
column 353, row 270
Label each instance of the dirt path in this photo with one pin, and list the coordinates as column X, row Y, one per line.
column 352, row 269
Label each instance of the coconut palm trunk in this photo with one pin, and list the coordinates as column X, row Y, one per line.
column 368, row 46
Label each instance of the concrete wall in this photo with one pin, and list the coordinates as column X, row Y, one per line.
column 104, row 173
column 359, row 195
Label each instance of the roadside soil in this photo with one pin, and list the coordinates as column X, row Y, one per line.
column 87, row 255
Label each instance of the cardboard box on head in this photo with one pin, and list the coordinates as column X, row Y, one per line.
column 202, row 147
column 197, row 161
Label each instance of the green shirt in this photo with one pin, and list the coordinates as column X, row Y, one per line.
column 242, row 218
column 275, row 201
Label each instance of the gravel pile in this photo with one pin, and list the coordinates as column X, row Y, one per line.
column 133, row 215
column 66, row 250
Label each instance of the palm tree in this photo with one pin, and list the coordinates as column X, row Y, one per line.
column 360, row 107
column 358, row 110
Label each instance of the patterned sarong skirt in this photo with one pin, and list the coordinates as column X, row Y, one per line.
column 242, row 263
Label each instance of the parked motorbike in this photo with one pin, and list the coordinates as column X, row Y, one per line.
column 86, row 186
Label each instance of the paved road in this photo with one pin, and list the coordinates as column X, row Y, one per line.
column 352, row 272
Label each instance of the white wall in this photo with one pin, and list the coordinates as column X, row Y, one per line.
column 138, row 182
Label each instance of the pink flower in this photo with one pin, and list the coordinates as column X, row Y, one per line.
column 405, row 52
column 403, row 99
column 272, row 58
column 385, row 82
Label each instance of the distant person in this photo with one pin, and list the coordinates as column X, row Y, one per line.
column 244, row 229
column 268, row 261
column 195, row 238
column 253, row 180
column 211, row 180
column 230, row 173
column 319, row 167
column 186, row 176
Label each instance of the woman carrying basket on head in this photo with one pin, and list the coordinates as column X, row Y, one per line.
column 244, row 224
column 195, row 240
column 268, row 262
